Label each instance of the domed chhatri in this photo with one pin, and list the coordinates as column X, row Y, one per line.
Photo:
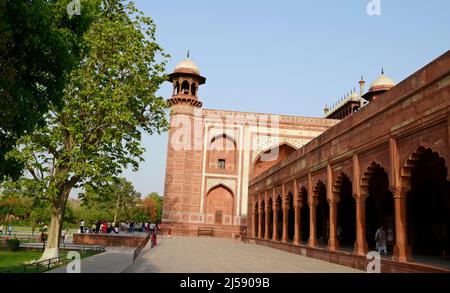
column 186, row 80
column 383, row 82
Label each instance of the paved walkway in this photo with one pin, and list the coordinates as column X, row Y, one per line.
column 114, row 260
column 217, row 255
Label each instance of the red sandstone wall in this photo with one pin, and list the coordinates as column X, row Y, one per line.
column 107, row 240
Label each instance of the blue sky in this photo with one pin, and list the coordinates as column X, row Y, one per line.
column 288, row 57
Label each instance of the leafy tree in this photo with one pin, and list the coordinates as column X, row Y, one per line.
column 153, row 205
column 109, row 101
column 27, row 204
column 39, row 46
column 116, row 201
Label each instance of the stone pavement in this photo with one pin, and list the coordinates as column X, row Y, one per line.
column 218, row 255
column 114, row 260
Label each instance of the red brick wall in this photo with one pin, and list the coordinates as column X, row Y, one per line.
column 107, row 240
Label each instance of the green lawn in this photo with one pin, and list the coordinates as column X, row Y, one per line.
column 9, row 259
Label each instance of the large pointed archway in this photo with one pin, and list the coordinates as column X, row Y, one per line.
column 428, row 205
column 220, row 204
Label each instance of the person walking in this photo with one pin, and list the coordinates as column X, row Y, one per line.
column 10, row 229
column 380, row 240
column 82, row 226
column 63, row 235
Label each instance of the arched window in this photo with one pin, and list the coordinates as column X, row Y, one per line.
column 193, row 89
column 185, row 88
column 176, row 88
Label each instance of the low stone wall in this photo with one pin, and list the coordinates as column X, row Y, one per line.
column 183, row 229
column 351, row 260
column 107, row 239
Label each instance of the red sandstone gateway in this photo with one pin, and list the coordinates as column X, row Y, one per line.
column 212, row 154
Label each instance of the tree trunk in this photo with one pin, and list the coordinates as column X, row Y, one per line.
column 117, row 208
column 56, row 222
column 54, row 232
column 33, row 225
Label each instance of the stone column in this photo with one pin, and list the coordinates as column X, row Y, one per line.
column 275, row 221
column 312, row 222
column 254, row 222
column 285, row 206
column 313, row 202
column 297, row 219
column 284, row 236
column 361, row 243
column 333, row 243
column 266, row 217
column 402, row 251
column 360, row 202
column 260, row 211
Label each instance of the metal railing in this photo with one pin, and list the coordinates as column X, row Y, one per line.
column 40, row 266
column 52, row 263
column 141, row 246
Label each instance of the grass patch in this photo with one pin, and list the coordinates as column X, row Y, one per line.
column 9, row 259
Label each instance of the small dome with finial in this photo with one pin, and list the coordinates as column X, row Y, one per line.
column 383, row 82
column 187, row 65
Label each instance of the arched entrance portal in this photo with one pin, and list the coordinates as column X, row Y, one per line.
column 304, row 216
column 379, row 208
column 346, row 214
column 428, row 205
column 219, row 204
column 323, row 215
column 279, row 218
column 291, row 218
column 270, row 217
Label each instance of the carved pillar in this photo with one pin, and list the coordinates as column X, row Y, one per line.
column 285, row 206
column 275, row 217
column 313, row 202
column 402, row 251
column 297, row 208
column 266, row 221
column 254, row 220
column 333, row 243
column 361, row 247
column 260, row 212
